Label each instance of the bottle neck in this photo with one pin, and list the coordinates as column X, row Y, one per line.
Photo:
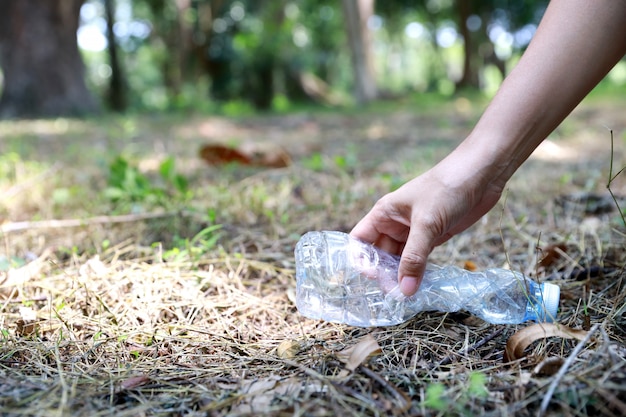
column 535, row 309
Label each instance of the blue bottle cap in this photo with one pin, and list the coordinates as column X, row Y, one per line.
column 551, row 294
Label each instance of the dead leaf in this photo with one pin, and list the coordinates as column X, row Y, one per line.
column 551, row 254
column 25, row 328
column 517, row 343
column 548, row 366
column 288, row 349
column 355, row 355
column 470, row 266
column 220, row 155
column 271, row 158
column 245, row 154
column 134, row 382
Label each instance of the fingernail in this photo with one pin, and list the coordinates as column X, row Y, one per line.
column 408, row 285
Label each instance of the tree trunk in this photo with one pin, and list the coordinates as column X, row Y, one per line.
column 117, row 86
column 470, row 72
column 42, row 67
column 357, row 13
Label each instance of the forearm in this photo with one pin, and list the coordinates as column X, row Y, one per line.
column 576, row 44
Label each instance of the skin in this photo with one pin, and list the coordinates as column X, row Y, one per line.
column 575, row 46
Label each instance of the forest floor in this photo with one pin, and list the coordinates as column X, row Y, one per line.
column 138, row 279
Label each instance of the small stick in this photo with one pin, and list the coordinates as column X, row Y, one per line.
column 400, row 396
column 559, row 376
column 448, row 359
column 65, row 223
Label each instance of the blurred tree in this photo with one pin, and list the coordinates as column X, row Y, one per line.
column 492, row 31
column 357, row 15
column 172, row 24
column 42, row 67
column 212, row 46
column 117, row 99
column 469, row 77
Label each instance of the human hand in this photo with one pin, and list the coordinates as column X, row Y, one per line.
column 424, row 213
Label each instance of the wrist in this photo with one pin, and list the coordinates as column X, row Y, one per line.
column 478, row 163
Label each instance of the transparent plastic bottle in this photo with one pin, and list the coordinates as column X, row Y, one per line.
column 344, row 280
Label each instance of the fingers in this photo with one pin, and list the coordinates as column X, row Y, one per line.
column 366, row 232
column 390, row 227
column 421, row 241
column 385, row 226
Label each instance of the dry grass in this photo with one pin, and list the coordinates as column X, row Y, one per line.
column 123, row 329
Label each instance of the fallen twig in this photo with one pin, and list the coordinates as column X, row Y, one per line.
column 559, row 376
column 448, row 359
column 67, row 223
column 404, row 402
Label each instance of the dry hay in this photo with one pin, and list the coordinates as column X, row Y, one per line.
column 129, row 335
column 123, row 331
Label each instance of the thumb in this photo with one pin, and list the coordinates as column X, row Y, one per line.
column 414, row 259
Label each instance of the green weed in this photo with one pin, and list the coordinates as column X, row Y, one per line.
column 438, row 396
column 612, row 178
column 194, row 248
column 127, row 185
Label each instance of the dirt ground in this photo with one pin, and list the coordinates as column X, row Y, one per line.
column 109, row 315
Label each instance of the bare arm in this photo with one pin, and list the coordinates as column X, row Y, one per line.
column 576, row 44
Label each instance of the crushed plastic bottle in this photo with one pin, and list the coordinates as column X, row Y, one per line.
column 344, row 280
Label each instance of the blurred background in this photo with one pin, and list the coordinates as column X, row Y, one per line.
column 78, row 57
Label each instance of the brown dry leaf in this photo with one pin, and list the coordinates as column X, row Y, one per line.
column 549, row 366
column 134, row 382
column 517, row 344
column 275, row 157
column 551, row 254
column 27, row 324
column 25, row 328
column 288, row 349
column 470, row 266
column 355, row 355
column 217, row 154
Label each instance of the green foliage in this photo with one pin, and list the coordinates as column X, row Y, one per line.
column 200, row 54
column 315, row 162
column 127, row 185
column 394, row 181
column 456, row 400
column 342, row 163
column 14, row 169
column 477, row 387
column 435, row 397
column 192, row 249
column 237, row 108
